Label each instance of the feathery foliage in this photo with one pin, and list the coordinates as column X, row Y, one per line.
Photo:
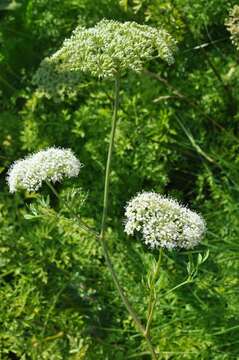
column 177, row 134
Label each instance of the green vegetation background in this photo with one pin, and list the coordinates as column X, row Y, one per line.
column 178, row 134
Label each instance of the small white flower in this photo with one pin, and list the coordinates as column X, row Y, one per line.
column 163, row 222
column 52, row 164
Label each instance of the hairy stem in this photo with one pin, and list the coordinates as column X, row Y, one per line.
column 124, row 298
column 152, row 296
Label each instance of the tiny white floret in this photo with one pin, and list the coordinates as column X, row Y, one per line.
column 52, row 164
column 163, row 222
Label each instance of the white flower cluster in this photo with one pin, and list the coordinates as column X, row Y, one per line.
column 112, row 47
column 163, row 222
column 233, row 25
column 52, row 164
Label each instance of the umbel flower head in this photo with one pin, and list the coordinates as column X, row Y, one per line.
column 163, row 222
column 109, row 48
column 52, row 164
column 233, row 25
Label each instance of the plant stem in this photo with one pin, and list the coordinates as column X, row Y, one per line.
column 152, row 296
column 109, row 157
column 83, row 225
column 177, row 286
column 53, row 189
column 124, row 298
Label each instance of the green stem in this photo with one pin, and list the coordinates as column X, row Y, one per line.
column 152, row 296
column 53, row 189
column 108, row 164
column 178, row 286
column 83, row 225
column 124, row 298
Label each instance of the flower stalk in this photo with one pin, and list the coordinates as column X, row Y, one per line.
column 82, row 224
column 152, row 292
column 108, row 164
column 124, row 298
